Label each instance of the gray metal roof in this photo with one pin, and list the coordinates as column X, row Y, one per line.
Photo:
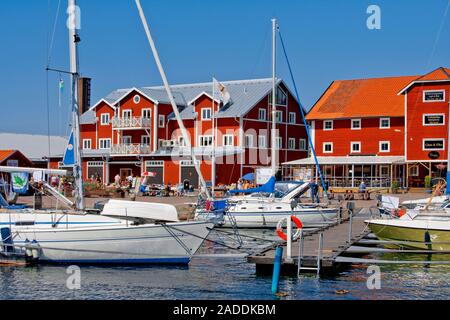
column 34, row 147
column 159, row 95
column 89, row 117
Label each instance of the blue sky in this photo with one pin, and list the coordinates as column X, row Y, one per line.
column 199, row 39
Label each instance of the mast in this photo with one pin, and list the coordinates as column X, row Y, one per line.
column 213, row 160
column 448, row 155
column 171, row 97
column 274, row 152
column 73, row 11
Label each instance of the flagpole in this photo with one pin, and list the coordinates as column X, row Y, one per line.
column 274, row 146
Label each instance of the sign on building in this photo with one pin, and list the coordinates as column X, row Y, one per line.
column 263, row 175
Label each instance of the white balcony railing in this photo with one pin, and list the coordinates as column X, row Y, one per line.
column 130, row 149
column 131, row 123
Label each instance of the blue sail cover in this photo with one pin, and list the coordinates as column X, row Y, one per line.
column 69, row 155
column 269, row 187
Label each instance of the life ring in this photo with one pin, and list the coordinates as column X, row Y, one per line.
column 297, row 223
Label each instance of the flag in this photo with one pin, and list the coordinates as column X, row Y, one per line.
column 61, row 90
column 20, row 182
column 69, row 155
column 222, row 91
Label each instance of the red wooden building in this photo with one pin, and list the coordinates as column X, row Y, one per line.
column 381, row 130
column 132, row 131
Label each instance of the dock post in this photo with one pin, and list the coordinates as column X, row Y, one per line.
column 289, row 240
column 319, row 254
column 300, row 253
column 350, row 208
column 277, row 269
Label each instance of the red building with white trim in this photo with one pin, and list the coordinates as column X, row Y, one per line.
column 132, row 131
column 381, row 130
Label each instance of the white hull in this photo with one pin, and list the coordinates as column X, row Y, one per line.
column 101, row 243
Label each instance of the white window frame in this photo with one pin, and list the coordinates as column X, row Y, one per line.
column 89, row 141
column 161, row 121
column 208, row 115
column 325, row 125
column 279, row 143
column 292, row 118
column 202, row 140
column 154, row 163
column 302, row 145
column 279, row 116
column 327, row 144
column 104, row 140
column 381, row 123
column 431, row 101
column 433, row 114
column 130, row 138
column 138, row 98
column 262, row 112
column 228, row 140
column 356, row 120
column 149, row 113
column 381, row 144
column 292, row 144
column 181, row 141
column 105, row 119
column 415, row 172
column 160, row 143
column 262, row 141
column 354, row 143
column 249, row 143
column 144, row 137
column 126, row 111
column 426, row 139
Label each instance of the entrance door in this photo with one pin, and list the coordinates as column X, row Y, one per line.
column 125, row 173
column 190, row 174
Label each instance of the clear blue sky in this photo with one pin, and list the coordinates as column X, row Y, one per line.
column 198, row 39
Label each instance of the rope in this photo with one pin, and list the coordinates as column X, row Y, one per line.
column 302, row 112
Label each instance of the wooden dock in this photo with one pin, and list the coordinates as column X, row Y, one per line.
column 335, row 243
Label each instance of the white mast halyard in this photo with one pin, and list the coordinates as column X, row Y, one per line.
column 274, row 152
column 72, row 25
column 171, row 98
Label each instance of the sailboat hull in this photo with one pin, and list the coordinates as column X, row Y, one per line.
column 173, row 243
column 419, row 236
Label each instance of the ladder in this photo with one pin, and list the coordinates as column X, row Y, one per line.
column 235, row 228
column 301, row 249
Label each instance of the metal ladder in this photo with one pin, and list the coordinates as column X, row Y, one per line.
column 301, row 253
column 235, row 228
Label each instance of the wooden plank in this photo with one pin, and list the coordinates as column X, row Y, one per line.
column 375, row 261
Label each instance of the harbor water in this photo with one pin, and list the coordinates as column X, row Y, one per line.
column 224, row 277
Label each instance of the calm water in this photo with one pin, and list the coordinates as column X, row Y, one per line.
column 220, row 278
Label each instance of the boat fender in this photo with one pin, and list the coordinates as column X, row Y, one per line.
column 297, row 223
column 35, row 249
column 28, row 250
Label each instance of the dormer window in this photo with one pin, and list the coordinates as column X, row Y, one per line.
column 137, row 99
column 281, row 98
column 206, row 114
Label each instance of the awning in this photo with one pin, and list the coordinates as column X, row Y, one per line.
column 348, row 160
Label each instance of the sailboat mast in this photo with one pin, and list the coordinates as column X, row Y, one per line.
column 171, row 97
column 274, row 152
column 73, row 48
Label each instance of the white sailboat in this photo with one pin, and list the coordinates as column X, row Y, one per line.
column 124, row 232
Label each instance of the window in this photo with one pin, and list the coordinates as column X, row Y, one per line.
column 281, row 97
column 292, row 117
column 434, row 96
column 160, row 143
column 328, row 125
column 249, row 141
column 87, row 144
column 384, row 171
column 262, row 141
column 127, row 114
column 206, row 114
column 385, row 123
column 12, row 163
column 145, row 140
column 137, row 99
column 291, row 144
column 327, row 147
column 104, row 119
column 262, row 115
column 303, row 145
column 433, row 144
column 414, row 171
column 434, row 119
column 105, row 143
column 385, row 146
column 279, row 116
column 181, row 141
column 161, row 121
column 355, row 147
column 126, row 140
column 146, row 113
column 279, row 143
column 228, row 140
column 356, row 124
column 205, row 141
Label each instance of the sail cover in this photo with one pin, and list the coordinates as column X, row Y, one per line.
column 69, row 155
column 269, row 187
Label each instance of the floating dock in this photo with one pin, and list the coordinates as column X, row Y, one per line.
column 317, row 251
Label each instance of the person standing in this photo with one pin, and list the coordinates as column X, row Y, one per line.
column 117, row 180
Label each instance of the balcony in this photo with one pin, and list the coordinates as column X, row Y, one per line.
column 135, row 123
column 130, row 149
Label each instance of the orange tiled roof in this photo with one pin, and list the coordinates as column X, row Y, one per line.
column 4, row 154
column 438, row 74
column 362, row 98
